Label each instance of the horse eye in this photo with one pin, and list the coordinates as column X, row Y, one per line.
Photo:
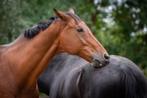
column 80, row 30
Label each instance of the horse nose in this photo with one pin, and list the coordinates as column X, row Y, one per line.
column 106, row 56
column 106, row 62
column 100, row 61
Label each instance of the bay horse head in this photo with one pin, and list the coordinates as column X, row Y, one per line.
column 76, row 38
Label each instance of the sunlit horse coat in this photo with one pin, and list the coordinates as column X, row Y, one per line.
column 69, row 76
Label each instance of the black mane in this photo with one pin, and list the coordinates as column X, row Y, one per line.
column 120, row 79
column 33, row 31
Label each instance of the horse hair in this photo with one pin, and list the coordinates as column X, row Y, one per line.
column 33, row 31
column 127, row 82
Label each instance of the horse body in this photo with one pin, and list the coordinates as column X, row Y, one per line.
column 7, row 84
column 17, row 72
column 22, row 61
column 121, row 78
column 54, row 73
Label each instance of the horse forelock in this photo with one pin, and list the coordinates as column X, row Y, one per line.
column 41, row 26
column 74, row 16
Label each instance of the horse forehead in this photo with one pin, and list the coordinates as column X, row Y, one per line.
column 78, row 22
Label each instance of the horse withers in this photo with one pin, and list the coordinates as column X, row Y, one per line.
column 69, row 76
column 22, row 61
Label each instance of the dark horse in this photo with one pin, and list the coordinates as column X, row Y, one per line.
column 69, row 76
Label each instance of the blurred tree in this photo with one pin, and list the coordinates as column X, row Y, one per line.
column 7, row 19
column 124, row 28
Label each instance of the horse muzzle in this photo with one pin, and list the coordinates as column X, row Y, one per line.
column 100, row 61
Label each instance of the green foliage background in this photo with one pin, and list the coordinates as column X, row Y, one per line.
column 120, row 25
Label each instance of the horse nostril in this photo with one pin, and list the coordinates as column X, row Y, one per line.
column 106, row 56
column 106, row 62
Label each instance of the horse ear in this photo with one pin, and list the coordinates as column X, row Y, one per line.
column 61, row 15
column 71, row 10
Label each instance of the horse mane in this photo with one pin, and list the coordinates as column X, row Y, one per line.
column 135, row 83
column 41, row 26
column 74, row 16
column 128, row 83
column 33, row 31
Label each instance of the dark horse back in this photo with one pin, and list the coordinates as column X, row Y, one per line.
column 120, row 79
column 71, row 77
column 59, row 67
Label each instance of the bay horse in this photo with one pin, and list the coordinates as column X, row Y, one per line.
column 69, row 76
column 22, row 61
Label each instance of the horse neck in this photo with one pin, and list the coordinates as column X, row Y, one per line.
column 30, row 56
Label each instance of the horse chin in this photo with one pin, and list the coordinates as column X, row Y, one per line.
column 98, row 64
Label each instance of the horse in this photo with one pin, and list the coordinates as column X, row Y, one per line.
column 23, row 60
column 69, row 76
